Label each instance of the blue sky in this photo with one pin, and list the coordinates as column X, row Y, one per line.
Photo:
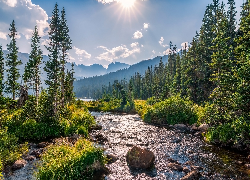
column 107, row 32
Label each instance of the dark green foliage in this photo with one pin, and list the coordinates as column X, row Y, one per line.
column 1, row 72
column 32, row 68
column 65, row 46
column 10, row 150
column 12, row 62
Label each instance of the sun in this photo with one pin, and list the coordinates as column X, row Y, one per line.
column 127, row 3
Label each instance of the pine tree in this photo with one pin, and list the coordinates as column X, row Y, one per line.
column 65, row 46
column 1, row 72
column 52, row 67
column 12, row 86
column 243, row 60
column 32, row 69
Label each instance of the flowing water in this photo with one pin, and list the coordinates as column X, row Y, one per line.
column 120, row 133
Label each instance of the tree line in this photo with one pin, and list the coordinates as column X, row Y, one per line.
column 214, row 69
column 59, row 79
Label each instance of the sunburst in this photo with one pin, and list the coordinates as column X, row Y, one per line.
column 127, row 3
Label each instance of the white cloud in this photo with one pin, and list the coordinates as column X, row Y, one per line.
column 106, row 1
column 118, row 52
column 137, row 35
column 167, row 51
column 145, row 25
column 153, row 51
column 134, row 44
column 161, row 42
column 142, row 45
column 26, row 14
column 3, row 35
column 81, row 53
column 11, row 3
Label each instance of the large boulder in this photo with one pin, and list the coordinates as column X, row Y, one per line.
column 140, row 158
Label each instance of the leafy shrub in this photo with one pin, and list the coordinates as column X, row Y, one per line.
column 141, row 106
column 10, row 150
column 83, row 131
column 152, row 100
column 67, row 162
column 226, row 126
column 172, row 111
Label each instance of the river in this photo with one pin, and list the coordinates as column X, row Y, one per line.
column 122, row 131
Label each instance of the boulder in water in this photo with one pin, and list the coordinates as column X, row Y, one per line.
column 18, row 164
column 140, row 158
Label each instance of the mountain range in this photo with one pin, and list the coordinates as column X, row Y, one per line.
column 86, row 87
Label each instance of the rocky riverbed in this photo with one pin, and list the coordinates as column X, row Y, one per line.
column 178, row 151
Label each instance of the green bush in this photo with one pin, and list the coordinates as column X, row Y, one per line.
column 10, row 150
column 226, row 126
column 71, row 162
column 83, row 131
column 172, row 111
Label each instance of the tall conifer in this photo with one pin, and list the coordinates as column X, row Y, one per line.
column 12, row 86
column 1, row 71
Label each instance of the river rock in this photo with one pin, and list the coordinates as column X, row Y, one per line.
column 111, row 158
column 140, row 158
column 203, row 127
column 18, row 164
column 247, row 166
column 191, row 176
column 29, row 158
column 37, row 153
column 42, row 144
column 175, row 166
column 194, row 127
column 96, row 127
column 181, row 127
column 186, row 170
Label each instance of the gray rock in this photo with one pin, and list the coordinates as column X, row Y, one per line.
column 29, row 158
column 111, row 158
column 175, row 166
column 186, row 170
column 203, row 127
column 18, row 164
column 181, row 127
column 191, row 176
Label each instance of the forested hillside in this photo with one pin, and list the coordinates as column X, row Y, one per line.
column 214, row 72
column 92, row 87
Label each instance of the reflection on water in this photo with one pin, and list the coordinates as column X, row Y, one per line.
column 124, row 131
column 85, row 99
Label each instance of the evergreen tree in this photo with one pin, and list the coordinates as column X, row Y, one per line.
column 243, row 60
column 65, row 46
column 12, row 86
column 1, row 72
column 52, row 67
column 32, row 69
